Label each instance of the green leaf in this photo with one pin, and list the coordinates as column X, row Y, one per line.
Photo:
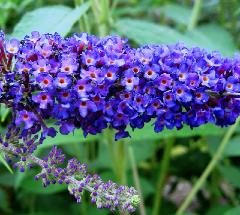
column 211, row 37
column 178, row 13
column 237, row 13
column 4, row 111
column 233, row 211
column 20, row 176
column 4, row 162
column 73, row 138
column 146, row 185
column 43, row 213
column 4, row 205
column 231, row 150
column 219, row 209
column 231, row 174
column 49, row 20
column 7, row 179
column 143, row 150
column 144, row 32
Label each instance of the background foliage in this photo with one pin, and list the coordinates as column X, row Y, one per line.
column 210, row 24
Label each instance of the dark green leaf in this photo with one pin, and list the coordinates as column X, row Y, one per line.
column 4, row 205
column 76, row 137
column 29, row 185
column 143, row 150
column 7, row 179
column 233, row 211
column 231, row 174
column 231, row 150
column 217, row 210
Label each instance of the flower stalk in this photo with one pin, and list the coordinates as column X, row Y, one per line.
column 212, row 164
column 163, row 171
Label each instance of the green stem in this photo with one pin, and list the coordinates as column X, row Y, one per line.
column 216, row 157
column 101, row 10
column 195, row 15
column 162, row 177
column 121, row 161
column 84, row 25
column 136, row 178
column 112, row 153
column 118, row 157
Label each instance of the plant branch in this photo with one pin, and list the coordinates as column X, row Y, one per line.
column 212, row 164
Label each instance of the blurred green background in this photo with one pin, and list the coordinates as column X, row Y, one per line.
column 168, row 163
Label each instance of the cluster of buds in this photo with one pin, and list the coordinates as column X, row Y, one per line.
column 74, row 174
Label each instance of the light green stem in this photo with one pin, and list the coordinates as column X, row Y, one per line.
column 136, row 178
column 101, row 11
column 84, row 24
column 162, row 177
column 216, row 157
column 195, row 15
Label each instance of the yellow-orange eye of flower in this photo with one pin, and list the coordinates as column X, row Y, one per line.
column 89, row 60
column 92, row 75
column 205, row 78
column 44, row 53
column 25, row 70
column 41, row 69
column 11, row 49
column 229, row 86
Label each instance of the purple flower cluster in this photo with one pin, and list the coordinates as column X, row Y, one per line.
column 94, row 83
